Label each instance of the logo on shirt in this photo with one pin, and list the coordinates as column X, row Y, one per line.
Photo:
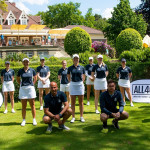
column 115, row 99
column 29, row 71
column 78, row 68
column 59, row 101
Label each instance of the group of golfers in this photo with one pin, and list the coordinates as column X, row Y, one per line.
column 57, row 102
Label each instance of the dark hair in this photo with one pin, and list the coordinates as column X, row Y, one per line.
column 111, row 81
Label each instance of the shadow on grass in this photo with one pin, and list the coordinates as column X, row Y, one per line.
column 145, row 107
column 145, row 120
column 10, row 124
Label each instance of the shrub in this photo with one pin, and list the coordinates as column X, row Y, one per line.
column 147, row 54
column 127, row 40
column 101, row 47
column 15, row 57
column 77, row 40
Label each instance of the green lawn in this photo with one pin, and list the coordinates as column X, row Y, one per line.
column 134, row 133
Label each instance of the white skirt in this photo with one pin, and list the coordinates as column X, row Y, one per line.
column 88, row 81
column 8, row 86
column 46, row 85
column 100, row 84
column 76, row 88
column 124, row 83
column 64, row 87
column 27, row 92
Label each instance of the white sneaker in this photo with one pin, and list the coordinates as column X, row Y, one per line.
column 72, row 120
column 13, row 111
column 88, row 103
column 131, row 104
column 41, row 108
column 82, row 119
column 34, row 122
column 97, row 112
column 64, row 127
column 23, row 123
column 5, row 112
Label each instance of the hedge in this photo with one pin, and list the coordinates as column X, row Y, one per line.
column 139, row 70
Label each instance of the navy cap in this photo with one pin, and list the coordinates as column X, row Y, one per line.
column 42, row 58
column 123, row 59
column 7, row 62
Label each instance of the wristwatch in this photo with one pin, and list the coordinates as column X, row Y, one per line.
column 60, row 115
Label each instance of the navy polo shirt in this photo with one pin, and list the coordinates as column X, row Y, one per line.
column 55, row 103
column 108, row 103
column 89, row 68
column 43, row 71
column 26, row 77
column 124, row 73
column 63, row 73
column 7, row 75
column 76, row 73
column 100, row 71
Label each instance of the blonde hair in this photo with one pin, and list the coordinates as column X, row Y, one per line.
column 63, row 61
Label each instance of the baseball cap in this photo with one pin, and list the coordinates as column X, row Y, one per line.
column 25, row 59
column 7, row 62
column 42, row 58
column 100, row 56
column 90, row 58
column 123, row 59
column 75, row 55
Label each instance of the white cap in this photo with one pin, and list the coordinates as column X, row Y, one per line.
column 100, row 56
column 75, row 55
column 25, row 59
column 90, row 58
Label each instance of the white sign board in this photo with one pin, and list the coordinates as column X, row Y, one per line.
column 140, row 90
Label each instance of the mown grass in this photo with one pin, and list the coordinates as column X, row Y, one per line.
column 133, row 135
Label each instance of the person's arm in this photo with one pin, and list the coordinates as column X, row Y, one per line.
column 102, row 105
column 106, row 71
column 18, row 80
column 59, row 75
column 48, row 113
column 13, row 78
column 68, row 75
column 117, row 73
column 34, row 77
column 2, row 79
column 121, row 103
column 130, row 75
column 48, row 75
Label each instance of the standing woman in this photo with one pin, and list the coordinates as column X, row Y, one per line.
column 124, row 74
column 89, row 79
column 27, row 78
column 43, row 74
column 100, row 82
column 64, row 83
column 7, row 78
column 76, row 77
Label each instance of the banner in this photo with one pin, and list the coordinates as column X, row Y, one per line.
column 140, row 91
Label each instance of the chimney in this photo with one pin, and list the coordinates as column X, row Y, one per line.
column 14, row 4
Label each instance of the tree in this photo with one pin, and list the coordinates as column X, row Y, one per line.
column 124, row 17
column 144, row 9
column 77, row 40
column 3, row 5
column 97, row 17
column 61, row 15
column 101, row 24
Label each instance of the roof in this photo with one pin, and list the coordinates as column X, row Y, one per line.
column 87, row 29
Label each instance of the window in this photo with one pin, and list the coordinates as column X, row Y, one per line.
column 24, row 22
column 23, row 18
column 10, row 53
column 11, row 18
column 29, row 54
column 43, row 54
column 11, row 22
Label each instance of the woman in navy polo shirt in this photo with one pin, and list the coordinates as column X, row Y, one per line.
column 100, row 82
column 124, row 74
column 64, row 83
column 43, row 74
column 89, row 79
column 27, row 78
column 76, row 77
column 7, row 78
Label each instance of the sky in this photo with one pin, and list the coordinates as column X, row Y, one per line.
column 102, row 7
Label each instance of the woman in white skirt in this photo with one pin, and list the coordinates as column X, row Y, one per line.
column 100, row 70
column 124, row 74
column 27, row 78
column 64, row 83
column 43, row 74
column 89, row 78
column 76, row 77
column 7, row 78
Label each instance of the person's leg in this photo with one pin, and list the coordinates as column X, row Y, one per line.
column 97, row 93
column 104, row 90
column 103, row 118
column 5, row 99
column 122, row 92
column 47, row 90
column 73, row 101
column 81, row 98
column 68, row 96
column 41, row 96
column 47, row 120
column 129, row 95
column 24, row 105
column 123, row 116
column 32, row 105
column 88, row 92
column 12, row 99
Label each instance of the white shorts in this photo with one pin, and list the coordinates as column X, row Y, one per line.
column 8, row 86
column 64, row 87
column 76, row 88
column 124, row 83
column 100, row 84
column 46, row 85
column 88, row 81
column 27, row 92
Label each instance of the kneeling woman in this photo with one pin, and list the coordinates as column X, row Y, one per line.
column 27, row 78
column 76, row 77
column 7, row 78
